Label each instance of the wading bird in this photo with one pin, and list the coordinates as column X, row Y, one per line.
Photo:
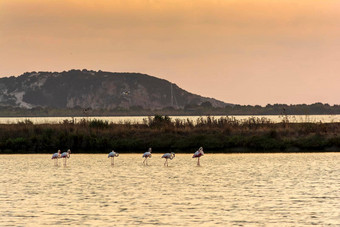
column 56, row 156
column 147, row 155
column 112, row 155
column 66, row 155
column 198, row 154
column 168, row 156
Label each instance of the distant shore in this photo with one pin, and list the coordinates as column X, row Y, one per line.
column 216, row 135
column 203, row 109
column 153, row 114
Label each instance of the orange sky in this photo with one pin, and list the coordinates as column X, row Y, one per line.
column 238, row 51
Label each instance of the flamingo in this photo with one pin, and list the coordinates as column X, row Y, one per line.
column 56, row 156
column 112, row 155
column 147, row 155
column 66, row 155
column 168, row 156
column 198, row 154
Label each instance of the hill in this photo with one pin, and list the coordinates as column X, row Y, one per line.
column 95, row 90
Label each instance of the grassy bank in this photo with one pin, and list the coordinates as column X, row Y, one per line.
column 163, row 134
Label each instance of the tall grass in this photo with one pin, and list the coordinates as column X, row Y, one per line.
column 224, row 134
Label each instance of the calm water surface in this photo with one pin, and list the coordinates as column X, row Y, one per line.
column 236, row 189
column 139, row 119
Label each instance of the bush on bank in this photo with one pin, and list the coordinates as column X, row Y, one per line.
column 163, row 134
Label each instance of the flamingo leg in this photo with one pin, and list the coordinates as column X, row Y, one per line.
column 144, row 161
column 198, row 161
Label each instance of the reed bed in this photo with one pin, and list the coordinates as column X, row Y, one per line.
column 224, row 134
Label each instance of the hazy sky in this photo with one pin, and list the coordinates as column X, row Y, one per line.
column 238, row 51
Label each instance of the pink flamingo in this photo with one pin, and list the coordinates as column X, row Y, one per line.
column 147, row 155
column 66, row 155
column 56, row 156
column 168, row 156
column 198, row 154
column 112, row 155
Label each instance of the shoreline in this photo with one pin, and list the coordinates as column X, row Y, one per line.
column 217, row 135
column 186, row 153
column 172, row 115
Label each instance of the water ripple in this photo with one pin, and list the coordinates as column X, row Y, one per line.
column 238, row 189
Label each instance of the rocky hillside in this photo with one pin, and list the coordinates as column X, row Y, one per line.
column 96, row 90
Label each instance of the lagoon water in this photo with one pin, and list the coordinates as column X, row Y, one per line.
column 228, row 189
column 139, row 119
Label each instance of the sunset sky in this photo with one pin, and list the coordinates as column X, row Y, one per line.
column 237, row 51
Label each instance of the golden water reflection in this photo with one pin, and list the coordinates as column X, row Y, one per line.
column 140, row 119
column 236, row 189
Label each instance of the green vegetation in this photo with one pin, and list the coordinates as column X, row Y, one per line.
column 224, row 134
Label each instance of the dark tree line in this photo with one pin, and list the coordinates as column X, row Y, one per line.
column 205, row 108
